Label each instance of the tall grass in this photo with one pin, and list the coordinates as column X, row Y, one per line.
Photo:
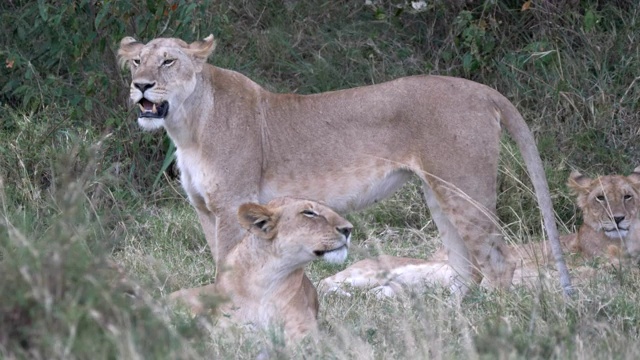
column 76, row 285
column 95, row 230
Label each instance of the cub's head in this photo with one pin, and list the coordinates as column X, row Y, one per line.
column 298, row 231
column 163, row 75
column 608, row 203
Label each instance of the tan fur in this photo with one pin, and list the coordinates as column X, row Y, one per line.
column 264, row 276
column 237, row 143
column 600, row 200
column 390, row 276
column 609, row 206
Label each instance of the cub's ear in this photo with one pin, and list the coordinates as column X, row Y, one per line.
column 259, row 220
column 578, row 182
column 634, row 177
column 129, row 48
column 200, row 50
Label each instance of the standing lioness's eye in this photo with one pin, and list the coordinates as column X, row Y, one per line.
column 627, row 197
column 600, row 198
column 168, row 62
column 136, row 62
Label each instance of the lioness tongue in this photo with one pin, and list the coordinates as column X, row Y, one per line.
column 148, row 105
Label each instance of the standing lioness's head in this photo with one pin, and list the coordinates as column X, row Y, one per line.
column 163, row 74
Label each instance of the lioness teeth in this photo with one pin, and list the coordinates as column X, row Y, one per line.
column 154, row 110
column 141, row 107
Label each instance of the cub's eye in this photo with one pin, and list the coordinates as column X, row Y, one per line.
column 309, row 213
column 627, row 197
column 168, row 62
column 600, row 198
column 136, row 62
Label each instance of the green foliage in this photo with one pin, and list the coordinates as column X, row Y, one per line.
column 59, row 58
column 61, row 296
column 70, row 59
column 474, row 41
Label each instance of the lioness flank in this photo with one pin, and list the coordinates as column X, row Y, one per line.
column 264, row 273
column 237, row 143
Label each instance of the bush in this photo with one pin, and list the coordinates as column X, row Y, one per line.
column 59, row 61
column 61, row 295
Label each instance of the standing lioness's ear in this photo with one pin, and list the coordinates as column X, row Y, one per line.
column 129, row 48
column 200, row 50
column 258, row 219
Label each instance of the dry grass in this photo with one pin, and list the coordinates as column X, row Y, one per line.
column 61, row 293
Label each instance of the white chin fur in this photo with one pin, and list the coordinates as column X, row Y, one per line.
column 150, row 123
column 337, row 256
column 616, row 234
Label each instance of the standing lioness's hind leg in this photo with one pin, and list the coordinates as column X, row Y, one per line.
column 459, row 258
column 477, row 233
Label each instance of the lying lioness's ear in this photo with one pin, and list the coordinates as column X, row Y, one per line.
column 200, row 50
column 129, row 48
column 634, row 177
column 258, row 219
column 578, row 182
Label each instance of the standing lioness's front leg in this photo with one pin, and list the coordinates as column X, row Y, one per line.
column 222, row 234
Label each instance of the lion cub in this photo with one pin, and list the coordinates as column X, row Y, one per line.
column 263, row 277
column 611, row 230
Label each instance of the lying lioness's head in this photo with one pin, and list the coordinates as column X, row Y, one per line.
column 163, row 74
column 298, row 231
column 609, row 203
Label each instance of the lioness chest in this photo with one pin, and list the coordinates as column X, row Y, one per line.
column 192, row 175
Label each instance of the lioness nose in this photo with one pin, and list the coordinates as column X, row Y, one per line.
column 144, row 86
column 345, row 230
column 618, row 219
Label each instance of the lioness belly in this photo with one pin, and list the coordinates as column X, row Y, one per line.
column 342, row 191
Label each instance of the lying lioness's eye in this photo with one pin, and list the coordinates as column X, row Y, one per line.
column 628, row 197
column 136, row 62
column 309, row 213
column 600, row 198
column 168, row 62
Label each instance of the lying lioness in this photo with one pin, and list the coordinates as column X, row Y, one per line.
column 387, row 276
column 264, row 279
column 611, row 230
column 237, row 142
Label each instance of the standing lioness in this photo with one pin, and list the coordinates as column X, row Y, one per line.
column 238, row 143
